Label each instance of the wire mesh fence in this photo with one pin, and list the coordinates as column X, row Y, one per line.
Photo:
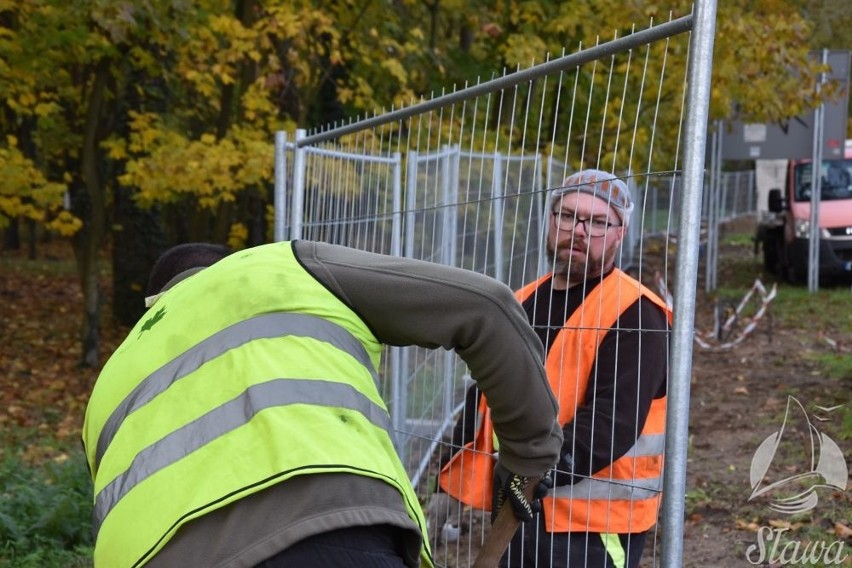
column 465, row 179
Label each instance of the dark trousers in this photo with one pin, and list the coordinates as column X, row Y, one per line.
column 376, row 546
column 533, row 547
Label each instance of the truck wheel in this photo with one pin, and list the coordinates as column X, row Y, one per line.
column 771, row 254
column 794, row 276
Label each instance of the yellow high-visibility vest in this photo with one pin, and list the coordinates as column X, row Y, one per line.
column 246, row 374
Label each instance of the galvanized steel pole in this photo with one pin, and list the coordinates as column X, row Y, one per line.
column 695, row 141
column 816, row 187
column 297, row 205
column 280, row 195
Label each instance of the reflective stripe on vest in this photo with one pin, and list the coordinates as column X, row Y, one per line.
column 608, row 488
column 259, row 327
column 229, row 416
column 648, row 445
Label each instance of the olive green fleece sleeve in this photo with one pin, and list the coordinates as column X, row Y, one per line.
column 411, row 302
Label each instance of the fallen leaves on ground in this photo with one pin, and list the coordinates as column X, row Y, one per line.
column 44, row 389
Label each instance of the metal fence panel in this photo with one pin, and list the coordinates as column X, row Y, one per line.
column 463, row 180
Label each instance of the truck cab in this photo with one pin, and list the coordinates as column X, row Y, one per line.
column 784, row 233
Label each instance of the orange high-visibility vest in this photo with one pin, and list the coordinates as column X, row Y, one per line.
column 621, row 498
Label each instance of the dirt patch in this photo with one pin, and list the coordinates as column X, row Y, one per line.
column 739, row 396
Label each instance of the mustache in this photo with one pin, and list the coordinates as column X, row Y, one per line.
column 558, row 253
column 571, row 244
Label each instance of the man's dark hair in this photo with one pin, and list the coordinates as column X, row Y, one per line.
column 180, row 258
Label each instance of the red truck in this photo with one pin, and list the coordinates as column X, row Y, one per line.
column 784, row 233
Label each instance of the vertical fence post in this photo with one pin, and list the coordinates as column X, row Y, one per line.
column 735, row 207
column 717, row 207
column 752, row 192
column 712, row 223
column 410, row 202
column 625, row 256
column 538, row 203
column 655, row 205
column 449, row 206
column 396, row 222
column 455, row 175
column 720, row 193
column 449, row 228
column 541, row 203
column 677, row 416
column 816, row 187
column 497, row 208
column 400, row 410
column 400, row 390
column 297, row 204
column 280, row 193
column 707, row 210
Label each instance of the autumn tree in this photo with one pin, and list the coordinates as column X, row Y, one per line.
column 153, row 121
column 28, row 190
column 170, row 108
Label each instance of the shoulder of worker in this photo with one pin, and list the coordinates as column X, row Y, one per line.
column 327, row 261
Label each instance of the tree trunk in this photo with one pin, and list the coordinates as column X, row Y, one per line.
column 87, row 242
column 434, row 9
column 466, row 36
column 12, row 235
column 32, row 236
column 244, row 11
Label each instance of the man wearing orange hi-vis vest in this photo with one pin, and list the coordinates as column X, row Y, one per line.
column 606, row 342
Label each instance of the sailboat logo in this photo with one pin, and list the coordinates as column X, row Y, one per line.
column 825, row 466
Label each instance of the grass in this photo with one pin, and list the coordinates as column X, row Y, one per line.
column 836, row 365
column 738, row 239
column 45, row 488
column 825, row 311
column 48, row 265
column 45, row 512
column 794, row 306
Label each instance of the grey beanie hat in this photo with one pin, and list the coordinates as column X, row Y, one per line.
column 602, row 185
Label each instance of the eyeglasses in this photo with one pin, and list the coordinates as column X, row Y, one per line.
column 568, row 221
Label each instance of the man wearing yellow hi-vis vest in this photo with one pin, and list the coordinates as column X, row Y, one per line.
column 240, row 422
column 606, row 343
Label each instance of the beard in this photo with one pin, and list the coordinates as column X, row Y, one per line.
column 575, row 268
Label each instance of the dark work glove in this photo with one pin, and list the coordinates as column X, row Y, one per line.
column 510, row 486
column 564, row 470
